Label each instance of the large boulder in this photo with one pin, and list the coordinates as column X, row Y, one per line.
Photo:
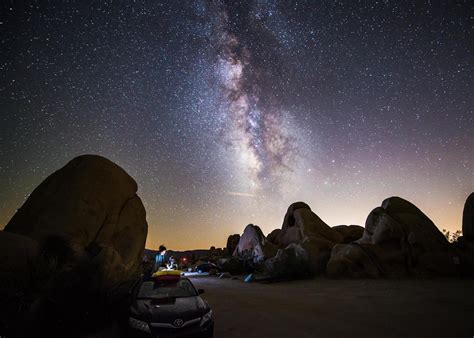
column 301, row 223
column 303, row 227
column 468, row 219
column 290, row 262
column 274, row 237
column 399, row 239
column 91, row 201
column 232, row 265
column 319, row 252
column 18, row 260
column 465, row 243
column 352, row 260
column 399, row 219
column 85, row 227
column 232, row 242
column 360, row 260
column 349, row 233
column 253, row 246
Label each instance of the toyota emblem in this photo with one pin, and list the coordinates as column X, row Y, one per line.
column 178, row 322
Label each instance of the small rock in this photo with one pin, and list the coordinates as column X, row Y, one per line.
column 225, row 275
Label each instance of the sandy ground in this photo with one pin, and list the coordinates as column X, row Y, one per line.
column 341, row 308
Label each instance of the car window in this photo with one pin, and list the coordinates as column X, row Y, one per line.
column 152, row 289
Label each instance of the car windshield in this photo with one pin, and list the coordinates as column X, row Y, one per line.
column 158, row 290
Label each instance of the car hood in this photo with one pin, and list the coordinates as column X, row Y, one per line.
column 169, row 309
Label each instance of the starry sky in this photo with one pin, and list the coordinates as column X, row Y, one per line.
column 226, row 112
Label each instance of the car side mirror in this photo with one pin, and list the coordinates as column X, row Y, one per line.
column 200, row 291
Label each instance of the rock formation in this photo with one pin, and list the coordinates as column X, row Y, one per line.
column 92, row 201
column 349, row 233
column 301, row 223
column 85, row 228
column 274, row 237
column 303, row 227
column 232, row 265
column 18, row 261
column 465, row 243
column 253, row 246
column 290, row 262
column 232, row 242
column 468, row 219
column 398, row 240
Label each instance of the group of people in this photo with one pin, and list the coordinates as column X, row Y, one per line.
column 150, row 267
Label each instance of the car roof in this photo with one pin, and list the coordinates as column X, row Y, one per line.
column 152, row 279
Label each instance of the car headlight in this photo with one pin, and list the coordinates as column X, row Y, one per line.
column 138, row 324
column 207, row 317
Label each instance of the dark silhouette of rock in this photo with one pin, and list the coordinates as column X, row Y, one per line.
column 301, row 223
column 465, row 243
column 233, row 265
column 349, row 233
column 398, row 240
column 302, row 226
column 319, row 252
column 92, row 201
column 398, row 218
column 352, row 260
column 274, row 237
column 215, row 252
column 253, row 246
column 18, row 262
column 18, row 259
column 232, row 242
column 90, row 228
column 468, row 219
column 290, row 262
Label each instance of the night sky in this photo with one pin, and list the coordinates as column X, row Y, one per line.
column 225, row 112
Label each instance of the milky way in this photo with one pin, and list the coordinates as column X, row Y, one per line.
column 254, row 129
column 225, row 112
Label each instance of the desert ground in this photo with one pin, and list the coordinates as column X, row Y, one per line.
column 341, row 308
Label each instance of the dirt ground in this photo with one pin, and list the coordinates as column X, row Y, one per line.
column 341, row 308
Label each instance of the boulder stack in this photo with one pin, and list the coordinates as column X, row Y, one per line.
column 303, row 227
column 290, row 262
column 398, row 240
column 232, row 242
column 253, row 246
column 274, row 237
column 349, row 233
column 301, row 223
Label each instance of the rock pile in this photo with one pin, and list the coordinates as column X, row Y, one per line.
column 303, row 228
column 232, row 242
column 253, row 246
column 398, row 240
